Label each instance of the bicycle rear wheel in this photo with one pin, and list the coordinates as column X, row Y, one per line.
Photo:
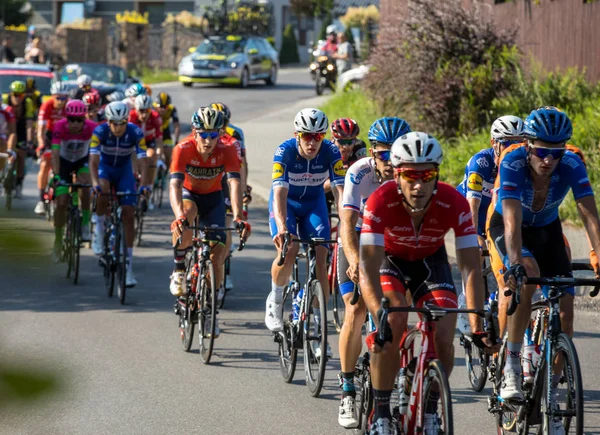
column 476, row 362
column 315, row 338
column 435, row 379
column 188, row 312
column 139, row 227
column 288, row 354
column 108, row 263
column 364, row 395
column 67, row 244
column 75, row 244
column 207, row 294
column 121, row 256
column 337, row 301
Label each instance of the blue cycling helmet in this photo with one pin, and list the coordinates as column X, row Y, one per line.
column 387, row 130
column 548, row 124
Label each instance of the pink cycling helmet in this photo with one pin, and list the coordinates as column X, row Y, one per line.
column 76, row 108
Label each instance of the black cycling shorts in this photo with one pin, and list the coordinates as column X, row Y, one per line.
column 211, row 212
column 429, row 280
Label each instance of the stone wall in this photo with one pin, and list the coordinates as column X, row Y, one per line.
column 176, row 41
column 133, row 46
column 80, row 45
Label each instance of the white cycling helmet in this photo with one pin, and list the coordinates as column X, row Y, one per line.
column 507, row 127
column 84, row 80
column 416, row 147
column 311, row 121
column 59, row 88
column 143, row 102
column 116, row 111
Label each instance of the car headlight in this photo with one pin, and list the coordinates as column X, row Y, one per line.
column 233, row 65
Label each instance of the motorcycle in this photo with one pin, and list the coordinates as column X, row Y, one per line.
column 326, row 74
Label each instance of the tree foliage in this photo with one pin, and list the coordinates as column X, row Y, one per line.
column 312, row 8
column 10, row 12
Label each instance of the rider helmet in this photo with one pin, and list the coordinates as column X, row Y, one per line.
column 344, row 128
column 416, row 147
column 387, row 130
column 311, row 121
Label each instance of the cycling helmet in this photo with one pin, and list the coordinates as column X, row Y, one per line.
column 223, row 109
column 84, row 80
column 548, row 124
column 507, row 127
column 387, row 130
column 17, row 87
column 207, row 118
column 75, row 108
column 116, row 111
column 416, row 147
column 30, row 83
column 91, row 99
column 311, row 121
column 143, row 102
column 163, row 99
column 115, row 96
column 59, row 88
column 344, row 128
column 135, row 90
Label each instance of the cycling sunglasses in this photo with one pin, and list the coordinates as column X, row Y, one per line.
column 208, row 134
column 143, row 111
column 317, row 137
column 119, row 123
column 62, row 97
column 412, row 175
column 346, row 142
column 383, row 155
column 18, row 94
column 543, row 152
column 75, row 119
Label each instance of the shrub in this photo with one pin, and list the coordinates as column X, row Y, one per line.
column 186, row 19
column 289, row 47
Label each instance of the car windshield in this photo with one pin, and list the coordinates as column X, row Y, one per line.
column 220, row 46
column 99, row 73
column 41, row 82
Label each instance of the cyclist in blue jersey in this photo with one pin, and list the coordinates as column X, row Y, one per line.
column 478, row 183
column 300, row 167
column 113, row 150
column 525, row 227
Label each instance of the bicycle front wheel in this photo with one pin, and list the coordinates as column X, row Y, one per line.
column 107, row 261
column 364, row 395
column 207, row 294
column 315, row 338
column 435, row 382
column 67, row 244
column 288, row 354
column 565, row 400
column 75, row 244
column 476, row 362
column 139, row 227
column 121, row 255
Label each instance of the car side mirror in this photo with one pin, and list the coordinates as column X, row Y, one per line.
column 192, row 50
column 253, row 51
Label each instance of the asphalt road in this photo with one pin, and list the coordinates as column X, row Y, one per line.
column 121, row 369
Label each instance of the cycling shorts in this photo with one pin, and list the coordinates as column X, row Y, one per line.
column 429, row 280
column 546, row 245
column 312, row 218
column 345, row 283
column 66, row 173
column 211, row 212
column 167, row 139
column 122, row 178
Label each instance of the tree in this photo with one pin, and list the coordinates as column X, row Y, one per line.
column 289, row 47
column 326, row 22
column 312, row 8
column 15, row 12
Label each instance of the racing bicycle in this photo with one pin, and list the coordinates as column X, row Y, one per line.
column 9, row 177
column 71, row 242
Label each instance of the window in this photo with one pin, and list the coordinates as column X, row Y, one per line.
column 70, row 12
column 156, row 12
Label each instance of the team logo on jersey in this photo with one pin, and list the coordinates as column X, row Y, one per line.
column 475, row 182
column 277, row 170
column 204, row 173
column 338, row 169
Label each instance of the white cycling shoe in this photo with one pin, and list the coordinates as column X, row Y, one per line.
column 97, row 244
column 347, row 413
column 130, row 280
column 511, row 386
column 274, row 314
column 39, row 208
column 383, row 426
column 178, row 285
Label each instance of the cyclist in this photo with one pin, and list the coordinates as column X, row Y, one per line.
column 70, row 153
column 113, row 150
column 115, row 96
column 148, row 89
column 51, row 111
column 525, row 227
column 167, row 112
column 300, row 167
column 362, row 179
column 131, row 92
column 199, row 162
column 404, row 225
column 478, row 182
column 84, row 85
column 150, row 122
column 344, row 134
column 94, row 113
column 228, row 139
column 33, row 93
column 8, row 131
column 23, row 110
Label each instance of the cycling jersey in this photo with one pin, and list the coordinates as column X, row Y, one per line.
column 151, row 128
column 304, row 178
column 361, row 181
column 169, row 113
column 201, row 176
column 26, row 114
column 116, row 151
column 478, row 182
column 387, row 223
column 515, row 183
column 238, row 134
column 7, row 117
column 49, row 114
column 358, row 152
column 228, row 140
column 72, row 146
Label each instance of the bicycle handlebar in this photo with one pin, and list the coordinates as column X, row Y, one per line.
column 205, row 229
column 315, row 241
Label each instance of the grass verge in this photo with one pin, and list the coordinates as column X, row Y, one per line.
column 150, row 76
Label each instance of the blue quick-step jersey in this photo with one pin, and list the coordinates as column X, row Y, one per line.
column 516, row 183
column 478, row 182
column 116, row 151
column 304, row 178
